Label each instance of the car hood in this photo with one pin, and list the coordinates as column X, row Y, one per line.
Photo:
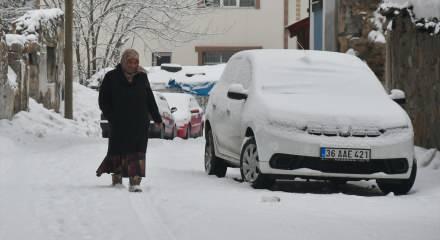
column 335, row 112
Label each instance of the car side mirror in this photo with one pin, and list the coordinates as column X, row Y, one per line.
column 195, row 111
column 237, row 92
column 173, row 109
column 398, row 96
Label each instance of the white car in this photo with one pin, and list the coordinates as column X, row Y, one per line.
column 310, row 114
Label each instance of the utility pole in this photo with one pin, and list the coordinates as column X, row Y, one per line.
column 68, row 59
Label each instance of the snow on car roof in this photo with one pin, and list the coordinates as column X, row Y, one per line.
column 188, row 74
column 312, row 72
column 179, row 100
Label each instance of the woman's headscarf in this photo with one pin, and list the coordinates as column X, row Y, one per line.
column 130, row 53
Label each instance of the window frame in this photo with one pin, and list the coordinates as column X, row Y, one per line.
column 155, row 55
column 237, row 4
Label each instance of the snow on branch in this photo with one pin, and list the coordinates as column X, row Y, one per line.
column 31, row 21
column 392, row 10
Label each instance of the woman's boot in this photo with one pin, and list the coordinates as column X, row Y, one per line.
column 116, row 179
column 135, row 183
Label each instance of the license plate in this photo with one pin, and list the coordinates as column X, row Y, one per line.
column 345, row 154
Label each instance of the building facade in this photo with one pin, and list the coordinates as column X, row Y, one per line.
column 231, row 26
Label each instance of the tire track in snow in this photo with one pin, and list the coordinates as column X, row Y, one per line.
column 150, row 218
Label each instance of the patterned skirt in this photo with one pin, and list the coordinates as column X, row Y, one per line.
column 128, row 165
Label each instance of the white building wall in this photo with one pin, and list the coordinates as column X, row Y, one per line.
column 242, row 27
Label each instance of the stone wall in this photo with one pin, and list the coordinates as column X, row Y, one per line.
column 7, row 92
column 38, row 61
column 355, row 22
column 413, row 65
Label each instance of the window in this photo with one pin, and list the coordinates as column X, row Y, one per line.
column 232, row 3
column 210, row 55
column 159, row 58
column 247, row 3
column 212, row 58
column 212, row 3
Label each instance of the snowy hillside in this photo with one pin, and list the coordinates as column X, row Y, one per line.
column 48, row 190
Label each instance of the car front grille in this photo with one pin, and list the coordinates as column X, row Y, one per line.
column 345, row 132
column 292, row 162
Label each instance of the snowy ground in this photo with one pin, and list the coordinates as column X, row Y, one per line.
column 48, row 190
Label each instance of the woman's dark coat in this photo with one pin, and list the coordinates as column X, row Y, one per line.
column 128, row 107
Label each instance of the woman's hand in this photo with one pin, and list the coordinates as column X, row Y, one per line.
column 158, row 124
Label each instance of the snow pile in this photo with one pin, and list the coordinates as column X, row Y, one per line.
column 12, row 78
column 423, row 13
column 40, row 122
column 96, row 79
column 32, row 20
column 376, row 36
column 428, row 158
column 352, row 52
column 21, row 40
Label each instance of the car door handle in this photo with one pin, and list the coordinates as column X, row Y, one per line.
column 214, row 106
column 228, row 112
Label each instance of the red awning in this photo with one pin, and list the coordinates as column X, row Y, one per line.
column 301, row 30
column 300, row 26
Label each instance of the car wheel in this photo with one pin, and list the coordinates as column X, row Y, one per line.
column 162, row 132
column 249, row 166
column 200, row 134
column 174, row 134
column 188, row 132
column 213, row 164
column 398, row 187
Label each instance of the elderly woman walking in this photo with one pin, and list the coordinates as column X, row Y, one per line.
column 127, row 101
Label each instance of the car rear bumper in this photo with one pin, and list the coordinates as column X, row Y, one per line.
column 298, row 154
column 182, row 131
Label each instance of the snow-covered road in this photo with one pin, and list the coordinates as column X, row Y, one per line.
column 48, row 190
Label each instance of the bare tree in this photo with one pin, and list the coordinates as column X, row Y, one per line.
column 103, row 27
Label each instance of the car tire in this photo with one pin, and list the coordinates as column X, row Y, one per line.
column 105, row 134
column 398, row 187
column 213, row 164
column 188, row 132
column 200, row 134
column 174, row 133
column 162, row 132
column 249, row 166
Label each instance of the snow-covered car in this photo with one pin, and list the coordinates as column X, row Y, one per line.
column 168, row 129
column 188, row 114
column 310, row 114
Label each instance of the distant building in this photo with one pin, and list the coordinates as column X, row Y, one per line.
column 240, row 24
